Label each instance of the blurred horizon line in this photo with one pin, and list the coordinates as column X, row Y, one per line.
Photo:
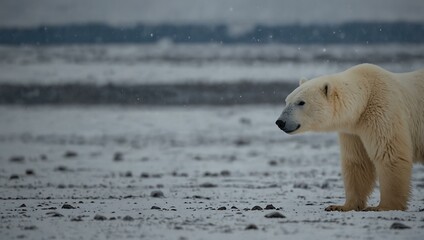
column 354, row 32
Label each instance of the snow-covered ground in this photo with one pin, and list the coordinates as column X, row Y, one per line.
column 108, row 161
column 165, row 62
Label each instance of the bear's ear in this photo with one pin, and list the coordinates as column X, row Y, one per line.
column 326, row 89
column 302, row 81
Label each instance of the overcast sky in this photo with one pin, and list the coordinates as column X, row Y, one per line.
column 236, row 12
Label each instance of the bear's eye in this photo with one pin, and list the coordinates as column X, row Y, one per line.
column 301, row 103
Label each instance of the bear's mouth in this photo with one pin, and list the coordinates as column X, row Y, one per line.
column 290, row 131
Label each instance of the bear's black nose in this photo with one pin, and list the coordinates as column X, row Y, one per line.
column 281, row 124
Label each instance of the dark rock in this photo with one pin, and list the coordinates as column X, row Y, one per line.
column 14, row 176
column 301, row 185
column 128, row 174
column 29, row 172
column 241, row 142
column 208, row 185
column 61, row 186
column 251, row 227
column 32, row 227
column 17, row 159
column 275, row 215
column 325, row 185
column 43, row 157
column 234, row 207
column 49, row 208
column 157, row 194
column 398, row 225
column 201, row 197
column 22, row 206
column 128, row 218
column 269, row 207
column 77, row 219
column 222, row 208
column 144, row 175
column 118, row 157
column 67, row 206
column 257, row 208
column 209, row 174
column 272, row 163
column 155, row 207
column 246, row 209
column 225, row 173
column 70, row 154
column 112, row 218
column 61, row 169
column 56, row 214
column 100, row 217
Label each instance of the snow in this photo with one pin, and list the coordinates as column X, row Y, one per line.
column 165, row 62
column 180, row 148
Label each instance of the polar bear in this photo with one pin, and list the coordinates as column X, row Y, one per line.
column 379, row 116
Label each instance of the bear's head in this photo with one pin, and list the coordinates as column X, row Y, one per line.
column 317, row 105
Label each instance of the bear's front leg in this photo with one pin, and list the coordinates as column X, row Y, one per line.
column 394, row 169
column 358, row 174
